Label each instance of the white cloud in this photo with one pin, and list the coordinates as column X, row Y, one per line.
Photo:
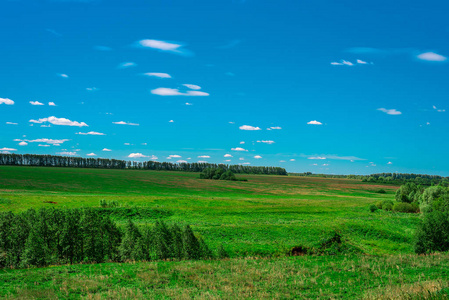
column 6, row 101
column 164, row 46
column 248, row 127
column 359, row 61
column 348, row 63
column 238, row 149
column 242, row 142
column 241, row 158
column 40, row 145
column 91, row 154
column 275, row 128
column 187, row 103
column 171, row 121
column 316, row 157
column 127, row 65
column 153, row 157
column 182, row 161
column 431, row 56
column 266, row 142
column 67, row 153
column 44, row 140
column 257, row 157
column 227, row 155
column 438, row 110
column 174, row 156
column 59, row 121
column 389, row 163
column 127, row 144
column 342, row 63
column 334, row 63
column 350, row 158
column 125, row 123
column 11, row 123
column 204, row 156
column 292, row 159
column 231, row 122
column 36, row 103
column 23, row 143
column 63, row 75
column 390, row 111
column 192, row 86
column 8, row 149
column 246, row 163
column 227, row 160
column 106, row 149
column 51, row 104
column 314, row 122
column 175, row 92
column 137, row 155
column 90, row 133
column 159, row 75
column 91, row 89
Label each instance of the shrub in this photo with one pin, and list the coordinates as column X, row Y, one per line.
column 404, row 207
column 379, row 204
column 433, row 233
column 406, row 192
column 430, row 195
column 387, row 206
column 381, row 191
column 373, row 208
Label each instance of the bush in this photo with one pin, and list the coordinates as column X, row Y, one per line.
column 373, row 208
column 430, row 195
column 433, row 233
column 381, row 191
column 387, row 206
column 404, row 207
column 217, row 174
column 406, row 192
column 379, row 204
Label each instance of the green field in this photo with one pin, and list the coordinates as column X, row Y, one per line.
column 262, row 218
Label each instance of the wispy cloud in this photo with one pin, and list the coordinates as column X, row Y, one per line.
column 269, row 142
column 53, row 32
column 63, row 75
column 137, row 155
column 54, row 142
column 204, row 156
column 437, row 109
column 227, row 155
column 274, row 128
column 106, row 150
column 11, row 123
column 125, row 123
column 66, row 153
column 332, row 156
column 390, row 111
column 59, row 121
column 257, row 157
column 6, row 101
column 36, row 103
column 90, row 133
column 91, row 154
column 170, row 47
column 8, row 149
column 249, row 127
column 238, row 149
column 192, row 86
column 51, row 104
column 159, row 75
column 175, row 92
column 431, row 56
column 314, row 122
column 125, row 65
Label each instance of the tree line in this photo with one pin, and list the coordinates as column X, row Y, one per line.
column 55, row 236
column 103, row 163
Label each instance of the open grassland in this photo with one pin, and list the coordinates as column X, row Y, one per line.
column 305, row 277
column 258, row 222
column 267, row 215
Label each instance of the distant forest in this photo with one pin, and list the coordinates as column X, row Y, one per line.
column 396, row 178
column 103, row 163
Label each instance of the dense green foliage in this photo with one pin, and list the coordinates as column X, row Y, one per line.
column 219, row 174
column 53, row 236
column 102, row 163
column 433, row 232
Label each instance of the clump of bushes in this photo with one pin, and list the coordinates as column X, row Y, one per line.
column 105, row 203
column 404, row 207
column 219, row 174
column 373, row 208
column 381, row 191
column 53, row 236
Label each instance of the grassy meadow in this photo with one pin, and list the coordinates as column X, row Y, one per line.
column 258, row 222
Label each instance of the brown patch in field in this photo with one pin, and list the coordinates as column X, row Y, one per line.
column 52, row 202
column 298, row 251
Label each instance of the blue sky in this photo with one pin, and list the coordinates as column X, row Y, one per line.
column 344, row 87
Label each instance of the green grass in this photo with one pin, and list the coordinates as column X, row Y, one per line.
column 265, row 217
column 268, row 215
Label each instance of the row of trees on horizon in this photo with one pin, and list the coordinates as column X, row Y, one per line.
column 104, row 163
